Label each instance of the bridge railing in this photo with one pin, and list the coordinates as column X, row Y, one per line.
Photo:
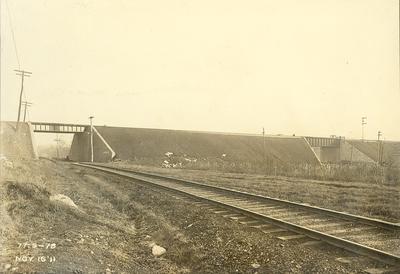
column 323, row 141
column 57, row 127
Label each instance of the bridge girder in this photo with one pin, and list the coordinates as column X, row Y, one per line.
column 45, row 127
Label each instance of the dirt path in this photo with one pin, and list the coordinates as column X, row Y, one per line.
column 116, row 221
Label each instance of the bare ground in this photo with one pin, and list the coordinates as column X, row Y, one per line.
column 117, row 219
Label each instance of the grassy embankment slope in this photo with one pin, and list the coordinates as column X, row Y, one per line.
column 371, row 149
column 286, row 156
column 107, row 232
column 150, row 145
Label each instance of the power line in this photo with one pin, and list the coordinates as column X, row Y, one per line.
column 91, row 139
column 363, row 123
column 23, row 74
column 263, row 134
column 28, row 114
column 26, row 105
column 12, row 34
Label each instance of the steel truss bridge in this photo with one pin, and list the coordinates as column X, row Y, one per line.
column 57, row 127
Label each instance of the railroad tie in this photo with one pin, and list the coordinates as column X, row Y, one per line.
column 221, row 211
column 395, row 269
column 291, row 237
column 231, row 215
column 249, row 222
column 273, row 230
column 237, row 205
column 238, row 218
column 351, row 230
column 265, row 226
column 352, row 259
column 311, row 243
column 326, row 225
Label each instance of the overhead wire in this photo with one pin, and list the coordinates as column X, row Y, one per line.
column 13, row 34
column 15, row 47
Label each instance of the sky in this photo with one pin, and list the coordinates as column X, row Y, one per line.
column 307, row 67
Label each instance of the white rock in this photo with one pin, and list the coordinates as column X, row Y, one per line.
column 255, row 265
column 5, row 162
column 63, row 199
column 158, row 250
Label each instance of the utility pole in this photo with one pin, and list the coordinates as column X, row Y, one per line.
column 23, row 74
column 363, row 123
column 26, row 105
column 263, row 132
column 58, row 140
column 380, row 148
column 91, row 139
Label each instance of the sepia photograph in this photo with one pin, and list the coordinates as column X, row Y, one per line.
column 188, row 136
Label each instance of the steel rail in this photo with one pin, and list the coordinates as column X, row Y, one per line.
column 329, row 212
column 330, row 239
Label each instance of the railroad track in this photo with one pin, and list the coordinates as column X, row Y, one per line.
column 373, row 238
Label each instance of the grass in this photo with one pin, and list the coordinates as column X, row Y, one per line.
column 374, row 197
column 152, row 144
column 110, row 223
column 355, row 172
